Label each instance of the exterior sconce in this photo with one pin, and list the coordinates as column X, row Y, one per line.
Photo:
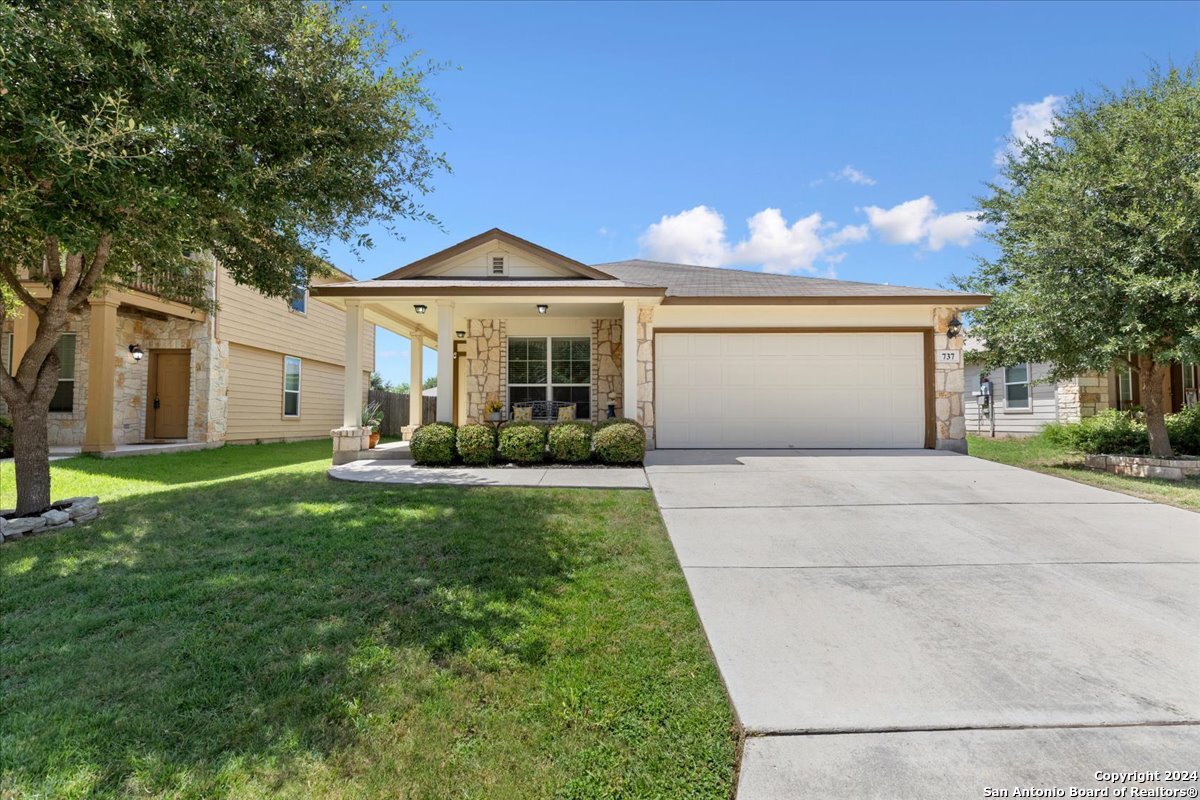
column 953, row 327
column 420, row 308
column 543, row 308
column 136, row 351
column 460, row 334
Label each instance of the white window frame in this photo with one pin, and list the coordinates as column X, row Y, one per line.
column 61, row 379
column 1027, row 383
column 302, row 296
column 299, row 385
column 549, row 385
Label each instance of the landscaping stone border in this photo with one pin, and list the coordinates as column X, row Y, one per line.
column 63, row 514
column 1171, row 469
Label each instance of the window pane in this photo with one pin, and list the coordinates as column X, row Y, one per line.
column 518, row 372
column 537, row 372
column 581, row 372
column 517, row 348
column 1017, row 374
column 560, row 349
column 537, row 349
column 581, row 349
column 560, row 372
column 520, row 394
column 579, row 395
column 1018, row 395
column 291, row 403
column 64, row 397
column 66, row 356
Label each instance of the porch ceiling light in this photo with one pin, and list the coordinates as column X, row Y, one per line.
column 953, row 327
column 543, row 308
column 136, row 351
column 420, row 308
column 460, row 334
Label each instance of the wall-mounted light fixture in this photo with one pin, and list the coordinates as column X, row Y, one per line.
column 953, row 327
column 543, row 308
column 136, row 351
column 461, row 334
column 420, row 308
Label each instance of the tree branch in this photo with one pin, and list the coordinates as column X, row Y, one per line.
column 53, row 263
column 11, row 278
column 95, row 269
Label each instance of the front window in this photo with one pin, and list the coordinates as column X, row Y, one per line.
column 1016, row 387
column 1125, row 388
column 1191, row 377
column 8, row 354
column 557, row 368
column 299, row 301
column 291, row 386
column 64, row 394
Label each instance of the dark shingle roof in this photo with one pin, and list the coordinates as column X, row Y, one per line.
column 684, row 280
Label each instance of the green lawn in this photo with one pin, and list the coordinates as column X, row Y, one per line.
column 238, row 625
column 1038, row 454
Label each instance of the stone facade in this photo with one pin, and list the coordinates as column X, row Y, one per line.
column 349, row 444
column 606, row 368
column 66, row 428
column 1082, row 396
column 950, row 422
column 1171, row 469
column 645, row 368
column 485, row 373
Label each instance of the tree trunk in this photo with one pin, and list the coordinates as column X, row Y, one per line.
column 31, row 456
column 1150, row 381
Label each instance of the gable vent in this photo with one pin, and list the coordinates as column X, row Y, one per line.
column 497, row 265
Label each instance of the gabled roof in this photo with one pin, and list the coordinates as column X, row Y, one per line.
column 699, row 283
column 422, row 266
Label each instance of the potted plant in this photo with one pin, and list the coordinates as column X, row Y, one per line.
column 372, row 417
column 494, row 409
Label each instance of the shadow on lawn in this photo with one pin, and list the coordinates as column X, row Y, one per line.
column 187, row 631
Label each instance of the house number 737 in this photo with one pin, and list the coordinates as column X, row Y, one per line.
column 949, row 356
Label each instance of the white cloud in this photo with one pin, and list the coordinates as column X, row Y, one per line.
column 1030, row 121
column 698, row 236
column 853, row 175
column 917, row 222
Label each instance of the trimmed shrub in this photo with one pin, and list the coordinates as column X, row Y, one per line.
column 433, row 443
column 523, row 442
column 620, row 443
column 571, row 442
column 604, row 423
column 477, row 444
column 1184, row 430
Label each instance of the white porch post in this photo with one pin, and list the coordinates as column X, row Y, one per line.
column 629, row 348
column 352, row 383
column 415, row 378
column 445, row 362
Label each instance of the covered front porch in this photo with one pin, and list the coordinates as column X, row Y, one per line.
column 539, row 351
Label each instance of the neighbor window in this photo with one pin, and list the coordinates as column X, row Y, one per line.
column 64, row 395
column 1124, row 388
column 299, row 301
column 1016, row 387
column 291, row 386
column 551, row 368
column 1191, row 372
column 6, row 353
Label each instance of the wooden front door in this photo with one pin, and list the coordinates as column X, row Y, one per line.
column 169, row 385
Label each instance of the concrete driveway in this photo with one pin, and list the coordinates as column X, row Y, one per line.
column 920, row 624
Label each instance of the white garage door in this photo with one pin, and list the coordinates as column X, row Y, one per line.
column 790, row 390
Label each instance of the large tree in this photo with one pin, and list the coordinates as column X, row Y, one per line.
column 1098, row 231
column 134, row 133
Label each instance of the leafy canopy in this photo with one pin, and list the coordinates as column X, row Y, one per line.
column 253, row 130
column 1098, row 229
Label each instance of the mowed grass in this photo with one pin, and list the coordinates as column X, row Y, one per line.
column 1036, row 453
column 238, row 625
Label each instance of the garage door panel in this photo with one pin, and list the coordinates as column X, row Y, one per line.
column 790, row 390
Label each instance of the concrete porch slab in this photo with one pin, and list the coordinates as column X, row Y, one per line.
column 396, row 472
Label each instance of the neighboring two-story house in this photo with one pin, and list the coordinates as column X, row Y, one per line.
column 137, row 368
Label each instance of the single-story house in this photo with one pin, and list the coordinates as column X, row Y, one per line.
column 702, row 357
column 137, row 368
column 1023, row 400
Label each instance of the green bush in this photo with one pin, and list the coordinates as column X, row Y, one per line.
column 523, row 442
column 477, row 444
column 1184, row 430
column 433, row 443
column 620, row 443
column 604, row 423
column 6, row 437
column 571, row 442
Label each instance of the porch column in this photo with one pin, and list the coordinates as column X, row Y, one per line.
column 629, row 348
column 352, row 379
column 416, row 377
column 24, row 332
column 445, row 369
column 102, row 375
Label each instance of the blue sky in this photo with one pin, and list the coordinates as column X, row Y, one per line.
column 843, row 139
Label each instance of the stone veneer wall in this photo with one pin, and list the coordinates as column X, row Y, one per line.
column 645, row 376
column 948, row 387
column 606, row 368
column 1082, row 396
column 486, row 371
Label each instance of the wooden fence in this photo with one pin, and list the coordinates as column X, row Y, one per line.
column 395, row 410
